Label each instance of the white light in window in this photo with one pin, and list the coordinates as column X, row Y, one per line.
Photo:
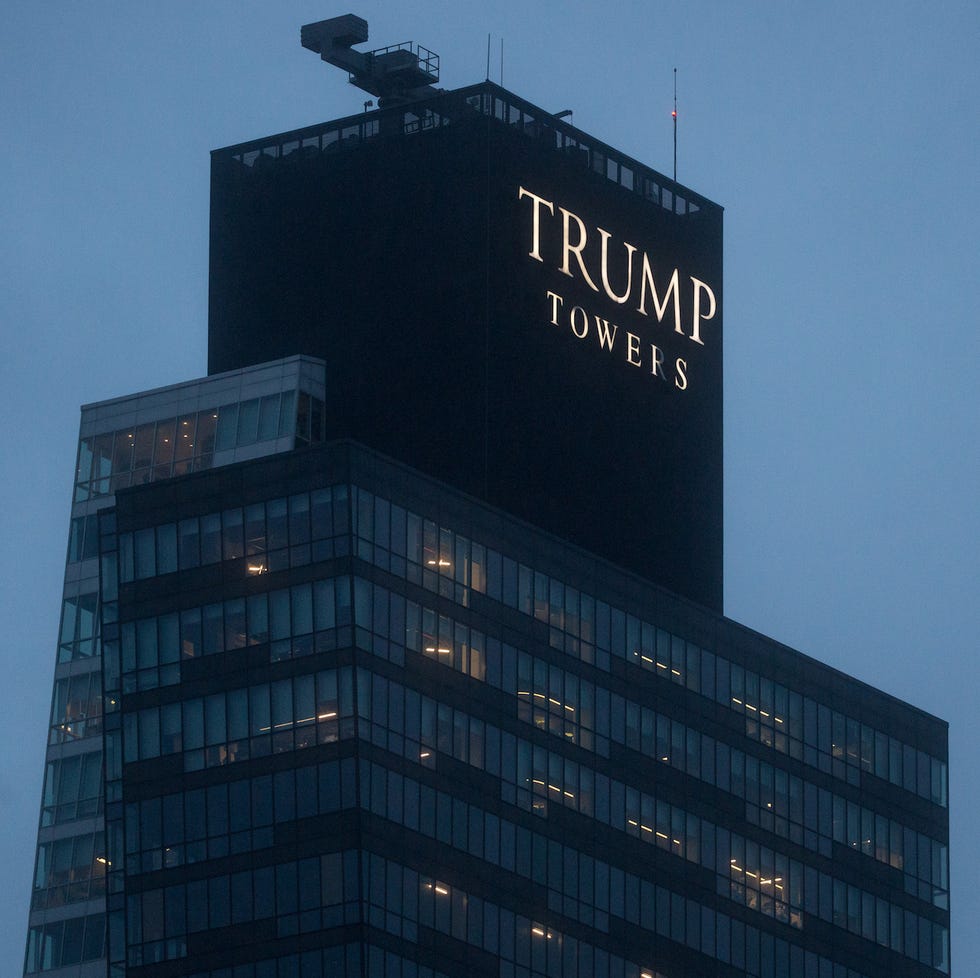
column 441, row 890
column 326, row 716
column 424, row 754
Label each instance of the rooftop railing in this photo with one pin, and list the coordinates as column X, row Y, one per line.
column 453, row 107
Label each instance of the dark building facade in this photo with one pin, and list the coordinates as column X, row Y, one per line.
column 413, row 662
column 503, row 302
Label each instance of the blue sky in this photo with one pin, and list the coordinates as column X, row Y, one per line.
column 842, row 140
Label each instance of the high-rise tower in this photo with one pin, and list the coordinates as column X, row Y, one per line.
column 406, row 648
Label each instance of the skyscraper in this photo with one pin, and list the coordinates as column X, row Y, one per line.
column 410, row 658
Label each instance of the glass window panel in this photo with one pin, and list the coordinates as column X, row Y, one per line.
column 122, row 452
column 303, row 418
column 268, row 417
column 211, row 538
column 190, row 633
column 233, row 545
column 163, row 447
column 227, row 428
column 85, row 456
column 299, row 519
column 287, row 413
column 207, row 424
column 184, row 440
column 235, row 635
column 214, row 719
column 302, row 609
column 303, row 694
column 277, row 523
column 258, row 619
column 279, row 614
column 144, row 542
column 282, row 702
column 212, row 627
column 167, row 548
column 189, row 543
column 83, row 541
column 102, row 463
column 248, row 422
column 321, row 514
column 193, row 724
column 143, row 446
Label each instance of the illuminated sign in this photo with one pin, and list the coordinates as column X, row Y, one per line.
column 619, row 272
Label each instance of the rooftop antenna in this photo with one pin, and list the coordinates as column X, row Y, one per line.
column 395, row 74
column 674, row 114
column 488, row 56
column 501, row 62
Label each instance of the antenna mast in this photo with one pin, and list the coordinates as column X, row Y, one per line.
column 674, row 114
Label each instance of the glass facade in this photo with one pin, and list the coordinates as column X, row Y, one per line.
column 128, row 441
column 356, row 719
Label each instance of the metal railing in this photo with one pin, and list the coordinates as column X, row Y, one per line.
column 449, row 108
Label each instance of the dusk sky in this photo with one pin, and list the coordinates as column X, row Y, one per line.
column 842, row 140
